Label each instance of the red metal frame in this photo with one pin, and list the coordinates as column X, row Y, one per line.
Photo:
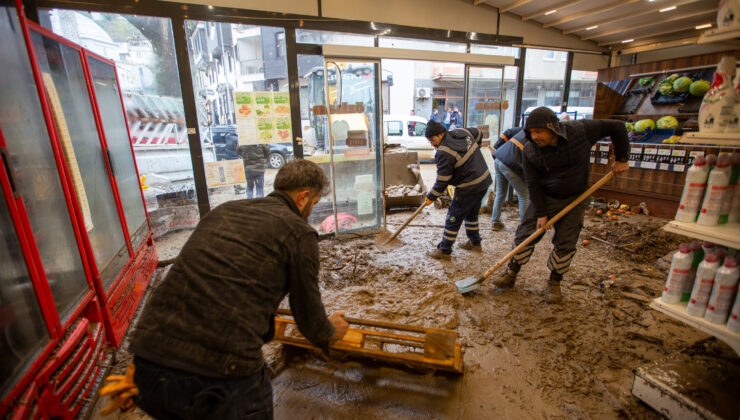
column 129, row 279
column 128, row 132
column 106, row 150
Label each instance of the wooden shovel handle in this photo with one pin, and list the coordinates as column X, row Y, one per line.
column 406, row 223
column 549, row 223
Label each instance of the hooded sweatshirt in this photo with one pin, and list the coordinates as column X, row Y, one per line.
column 562, row 171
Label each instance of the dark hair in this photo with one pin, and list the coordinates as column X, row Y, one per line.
column 299, row 174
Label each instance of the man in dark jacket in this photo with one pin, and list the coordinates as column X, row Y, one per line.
column 255, row 157
column 198, row 343
column 556, row 169
column 508, row 166
column 459, row 163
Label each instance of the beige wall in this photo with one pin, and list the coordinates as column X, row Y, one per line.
column 590, row 62
column 457, row 15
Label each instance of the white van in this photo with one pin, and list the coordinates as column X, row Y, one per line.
column 408, row 131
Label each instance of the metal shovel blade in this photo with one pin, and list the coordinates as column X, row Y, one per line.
column 383, row 243
column 468, row 284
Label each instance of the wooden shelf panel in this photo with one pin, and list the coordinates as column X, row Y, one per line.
column 727, row 235
column 714, row 139
column 678, row 311
column 719, row 35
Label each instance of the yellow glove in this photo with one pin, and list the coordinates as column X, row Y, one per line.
column 120, row 390
column 428, row 201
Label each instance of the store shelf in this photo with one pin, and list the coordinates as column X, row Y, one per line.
column 714, row 139
column 678, row 311
column 727, row 235
column 719, row 35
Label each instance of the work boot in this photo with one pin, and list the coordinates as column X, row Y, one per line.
column 498, row 226
column 508, row 279
column 469, row 246
column 553, row 288
column 438, row 254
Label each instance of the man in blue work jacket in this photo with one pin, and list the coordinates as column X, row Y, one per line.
column 460, row 163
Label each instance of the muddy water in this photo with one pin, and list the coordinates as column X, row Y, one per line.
column 523, row 358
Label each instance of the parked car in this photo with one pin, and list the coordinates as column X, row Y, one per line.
column 226, row 141
column 408, row 131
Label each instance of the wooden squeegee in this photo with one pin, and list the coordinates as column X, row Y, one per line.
column 417, row 347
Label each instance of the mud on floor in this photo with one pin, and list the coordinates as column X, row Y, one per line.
column 523, row 358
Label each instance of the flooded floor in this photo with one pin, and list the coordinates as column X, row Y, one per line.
column 523, row 358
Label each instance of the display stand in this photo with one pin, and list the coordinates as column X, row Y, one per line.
column 663, row 384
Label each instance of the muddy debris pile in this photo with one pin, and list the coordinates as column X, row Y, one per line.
column 644, row 239
column 403, row 190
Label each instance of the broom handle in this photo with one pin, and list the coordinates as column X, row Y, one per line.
column 406, row 223
column 549, row 223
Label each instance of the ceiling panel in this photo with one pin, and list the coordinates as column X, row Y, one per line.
column 617, row 20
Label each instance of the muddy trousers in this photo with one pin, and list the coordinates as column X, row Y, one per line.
column 565, row 239
column 167, row 393
column 463, row 208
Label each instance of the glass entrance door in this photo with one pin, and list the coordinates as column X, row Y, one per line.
column 352, row 92
column 484, row 104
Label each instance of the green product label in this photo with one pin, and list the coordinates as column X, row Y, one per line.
column 262, row 97
column 280, row 97
column 243, row 98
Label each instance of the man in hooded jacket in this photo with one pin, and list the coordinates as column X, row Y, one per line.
column 460, row 163
column 556, row 169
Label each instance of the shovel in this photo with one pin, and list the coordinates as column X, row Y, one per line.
column 383, row 241
column 471, row 283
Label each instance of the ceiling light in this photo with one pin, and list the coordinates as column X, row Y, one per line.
column 592, row 27
column 704, row 26
column 668, row 9
column 551, row 12
column 626, row 41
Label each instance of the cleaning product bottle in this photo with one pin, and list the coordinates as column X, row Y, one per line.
column 677, row 275
column 697, row 254
column 718, row 102
column 703, row 285
column 707, row 247
column 693, row 191
column 734, row 216
column 717, row 185
column 733, row 324
column 723, row 291
column 733, row 124
column 726, row 208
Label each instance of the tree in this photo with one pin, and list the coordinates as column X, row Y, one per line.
column 159, row 33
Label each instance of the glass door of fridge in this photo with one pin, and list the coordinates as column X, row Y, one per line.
column 30, row 153
column 117, row 139
column 66, row 89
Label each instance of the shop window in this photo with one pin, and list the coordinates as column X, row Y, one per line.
column 143, row 49
column 307, row 36
column 544, row 80
column 417, row 44
column 495, row 50
column 582, row 93
column 244, row 114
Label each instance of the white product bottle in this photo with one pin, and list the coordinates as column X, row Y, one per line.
column 726, row 208
column 725, row 16
column 733, row 123
column 703, row 285
column 697, row 256
column 723, row 292
column 717, row 185
column 733, row 323
column 693, row 191
column 678, row 274
column 717, row 105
